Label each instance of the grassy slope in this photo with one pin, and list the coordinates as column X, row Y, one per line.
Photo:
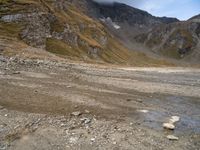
column 113, row 52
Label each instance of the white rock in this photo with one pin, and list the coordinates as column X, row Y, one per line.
column 169, row 126
column 77, row 113
column 92, row 139
column 174, row 119
column 114, row 142
column 172, row 137
column 143, row 111
column 73, row 140
column 85, row 120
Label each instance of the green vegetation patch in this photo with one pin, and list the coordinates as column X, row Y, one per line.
column 57, row 26
column 61, row 48
column 171, row 52
column 10, row 29
column 154, row 41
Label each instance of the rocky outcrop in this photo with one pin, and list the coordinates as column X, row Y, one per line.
column 37, row 29
column 175, row 40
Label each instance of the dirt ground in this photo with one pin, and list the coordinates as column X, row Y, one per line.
column 49, row 105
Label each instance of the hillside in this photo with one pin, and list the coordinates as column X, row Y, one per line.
column 65, row 29
column 177, row 40
column 195, row 18
column 158, row 36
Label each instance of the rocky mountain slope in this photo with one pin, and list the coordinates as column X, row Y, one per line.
column 162, row 36
column 195, row 18
column 64, row 28
column 58, row 27
column 90, row 31
column 178, row 40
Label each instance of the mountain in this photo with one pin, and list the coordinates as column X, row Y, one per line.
column 161, row 36
column 197, row 17
column 122, row 13
column 179, row 40
column 131, row 21
column 176, row 40
column 90, row 31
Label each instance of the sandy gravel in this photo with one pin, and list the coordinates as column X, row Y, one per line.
column 120, row 107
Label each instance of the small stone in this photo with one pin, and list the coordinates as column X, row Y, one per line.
column 6, row 115
column 172, row 137
column 139, row 100
column 114, row 142
column 67, row 131
column 85, row 120
column 87, row 111
column 174, row 119
column 77, row 113
column 63, row 125
column 92, row 139
column 73, row 140
column 143, row 111
column 169, row 126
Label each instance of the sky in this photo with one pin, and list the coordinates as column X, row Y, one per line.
column 181, row 9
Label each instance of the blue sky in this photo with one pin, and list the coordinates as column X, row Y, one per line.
column 181, row 9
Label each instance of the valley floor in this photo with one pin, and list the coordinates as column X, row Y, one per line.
column 48, row 105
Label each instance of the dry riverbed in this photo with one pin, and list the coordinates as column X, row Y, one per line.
column 50, row 105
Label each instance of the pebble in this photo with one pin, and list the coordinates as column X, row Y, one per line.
column 87, row 111
column 77, row 113
column 139, row 100
column 114, row 142
column 143, row 111
column 174, row 119
column 73, row 140
column 85, row 120
column 169, row 126
column 172, row 137
column 92, row 139
column 63, row 125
